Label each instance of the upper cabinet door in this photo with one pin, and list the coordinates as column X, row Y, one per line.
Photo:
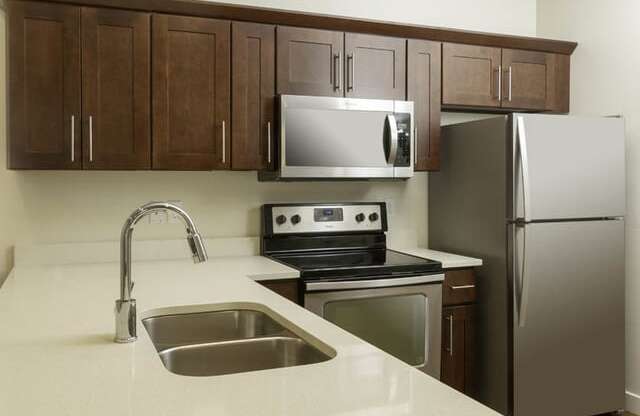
column 470, row 75
column 310, row 62
column 115, row 89
column 191, row 100
column 44, row 86
column 529, row 79
column 375, row 67
column 253, row 91
column 423, row 88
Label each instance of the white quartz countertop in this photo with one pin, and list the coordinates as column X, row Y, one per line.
column 448, row 260
column 57, row 356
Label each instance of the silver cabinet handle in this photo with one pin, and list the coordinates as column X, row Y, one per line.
column 90, row 138
column 224, row 143
column 499, row 82
column 461, row 287
column 337, row 73
column 415, row 145
column 73, row 138
column 352, row 73
column 450, row 349
column 510, row 78
column 269, row 142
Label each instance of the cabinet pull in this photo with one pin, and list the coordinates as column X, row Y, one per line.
column 461, row 287
column 499, row 96
column 90, row 138
column 510, row 78
column 337, row 73
column 415, row 146
column 224, row 143
column 450, row 349
column 73, row 138
column 269, row 142
column 352, row 73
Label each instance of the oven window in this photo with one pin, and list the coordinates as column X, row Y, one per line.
column 395, row 324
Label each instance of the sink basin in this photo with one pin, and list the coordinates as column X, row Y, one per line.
column 227, row 342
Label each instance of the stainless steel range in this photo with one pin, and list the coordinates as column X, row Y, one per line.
column 390, row 299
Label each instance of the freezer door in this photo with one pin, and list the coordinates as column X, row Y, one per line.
column 568, row 318
column 567, row 167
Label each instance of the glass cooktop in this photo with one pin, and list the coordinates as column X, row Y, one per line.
column 357, row 263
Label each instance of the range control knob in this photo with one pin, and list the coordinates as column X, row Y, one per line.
column 281, row 219
column 373, row 217
column 360, row 217
column 295, row 219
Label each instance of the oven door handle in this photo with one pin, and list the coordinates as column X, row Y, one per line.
column 374, row 283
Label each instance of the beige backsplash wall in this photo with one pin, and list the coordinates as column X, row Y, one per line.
column 54, row 206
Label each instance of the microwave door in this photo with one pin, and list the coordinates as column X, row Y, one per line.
column 326, row 138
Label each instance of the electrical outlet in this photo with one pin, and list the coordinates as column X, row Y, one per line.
column 172, row 216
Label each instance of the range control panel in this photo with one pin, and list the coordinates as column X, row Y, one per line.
column 324, row 218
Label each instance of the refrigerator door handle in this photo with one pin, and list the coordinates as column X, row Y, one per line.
column 524, row 167
column 521, row 281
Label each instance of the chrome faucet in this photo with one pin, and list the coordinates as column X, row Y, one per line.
column 126, row 330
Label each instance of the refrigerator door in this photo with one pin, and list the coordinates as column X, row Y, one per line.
column 568, row 318
column 567, row 167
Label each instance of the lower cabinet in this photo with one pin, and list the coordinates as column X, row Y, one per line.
column 458, row 335
column 458, row 331
column 287, row 288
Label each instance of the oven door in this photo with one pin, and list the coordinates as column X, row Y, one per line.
column 401, row 316
column 344, row 138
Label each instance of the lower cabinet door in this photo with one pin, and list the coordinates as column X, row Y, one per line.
column 458, row 333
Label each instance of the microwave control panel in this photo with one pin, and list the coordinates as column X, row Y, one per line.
column 403, row 157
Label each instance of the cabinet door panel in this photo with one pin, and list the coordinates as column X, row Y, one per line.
column 375, row 67
column 470, row 75
column 116, row 89
column 191, row 98
column 458, row 338
column 309, row 61
column 423, row 88
column 253, row 91
column 44, row 86
column 529, row 79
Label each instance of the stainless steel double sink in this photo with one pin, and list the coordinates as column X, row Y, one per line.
column 229, row 341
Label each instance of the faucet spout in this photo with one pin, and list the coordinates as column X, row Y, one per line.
column 126, row 328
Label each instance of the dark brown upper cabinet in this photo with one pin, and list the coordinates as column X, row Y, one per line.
column 375, row 66
column 470, row 75
column 529, row 79
column 477, row 76
column 310, row 62
column 44, row 86
column 423, row 88
column 253, row 92
column 115, row 89
column 191, row 93
column 327, row 63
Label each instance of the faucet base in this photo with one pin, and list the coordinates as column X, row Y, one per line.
column 125, row 321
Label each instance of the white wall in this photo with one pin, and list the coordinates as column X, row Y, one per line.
column 604, row 81
column 501, row 16
column 91, row 206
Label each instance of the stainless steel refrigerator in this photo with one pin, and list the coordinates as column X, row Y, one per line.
column 541, row 199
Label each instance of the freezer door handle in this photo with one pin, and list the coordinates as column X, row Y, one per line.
column 521, row 139
column 521, row 283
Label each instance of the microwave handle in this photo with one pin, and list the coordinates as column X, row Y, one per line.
column 393, row 131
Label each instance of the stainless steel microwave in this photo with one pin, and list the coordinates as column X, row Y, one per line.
column 343, row 138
